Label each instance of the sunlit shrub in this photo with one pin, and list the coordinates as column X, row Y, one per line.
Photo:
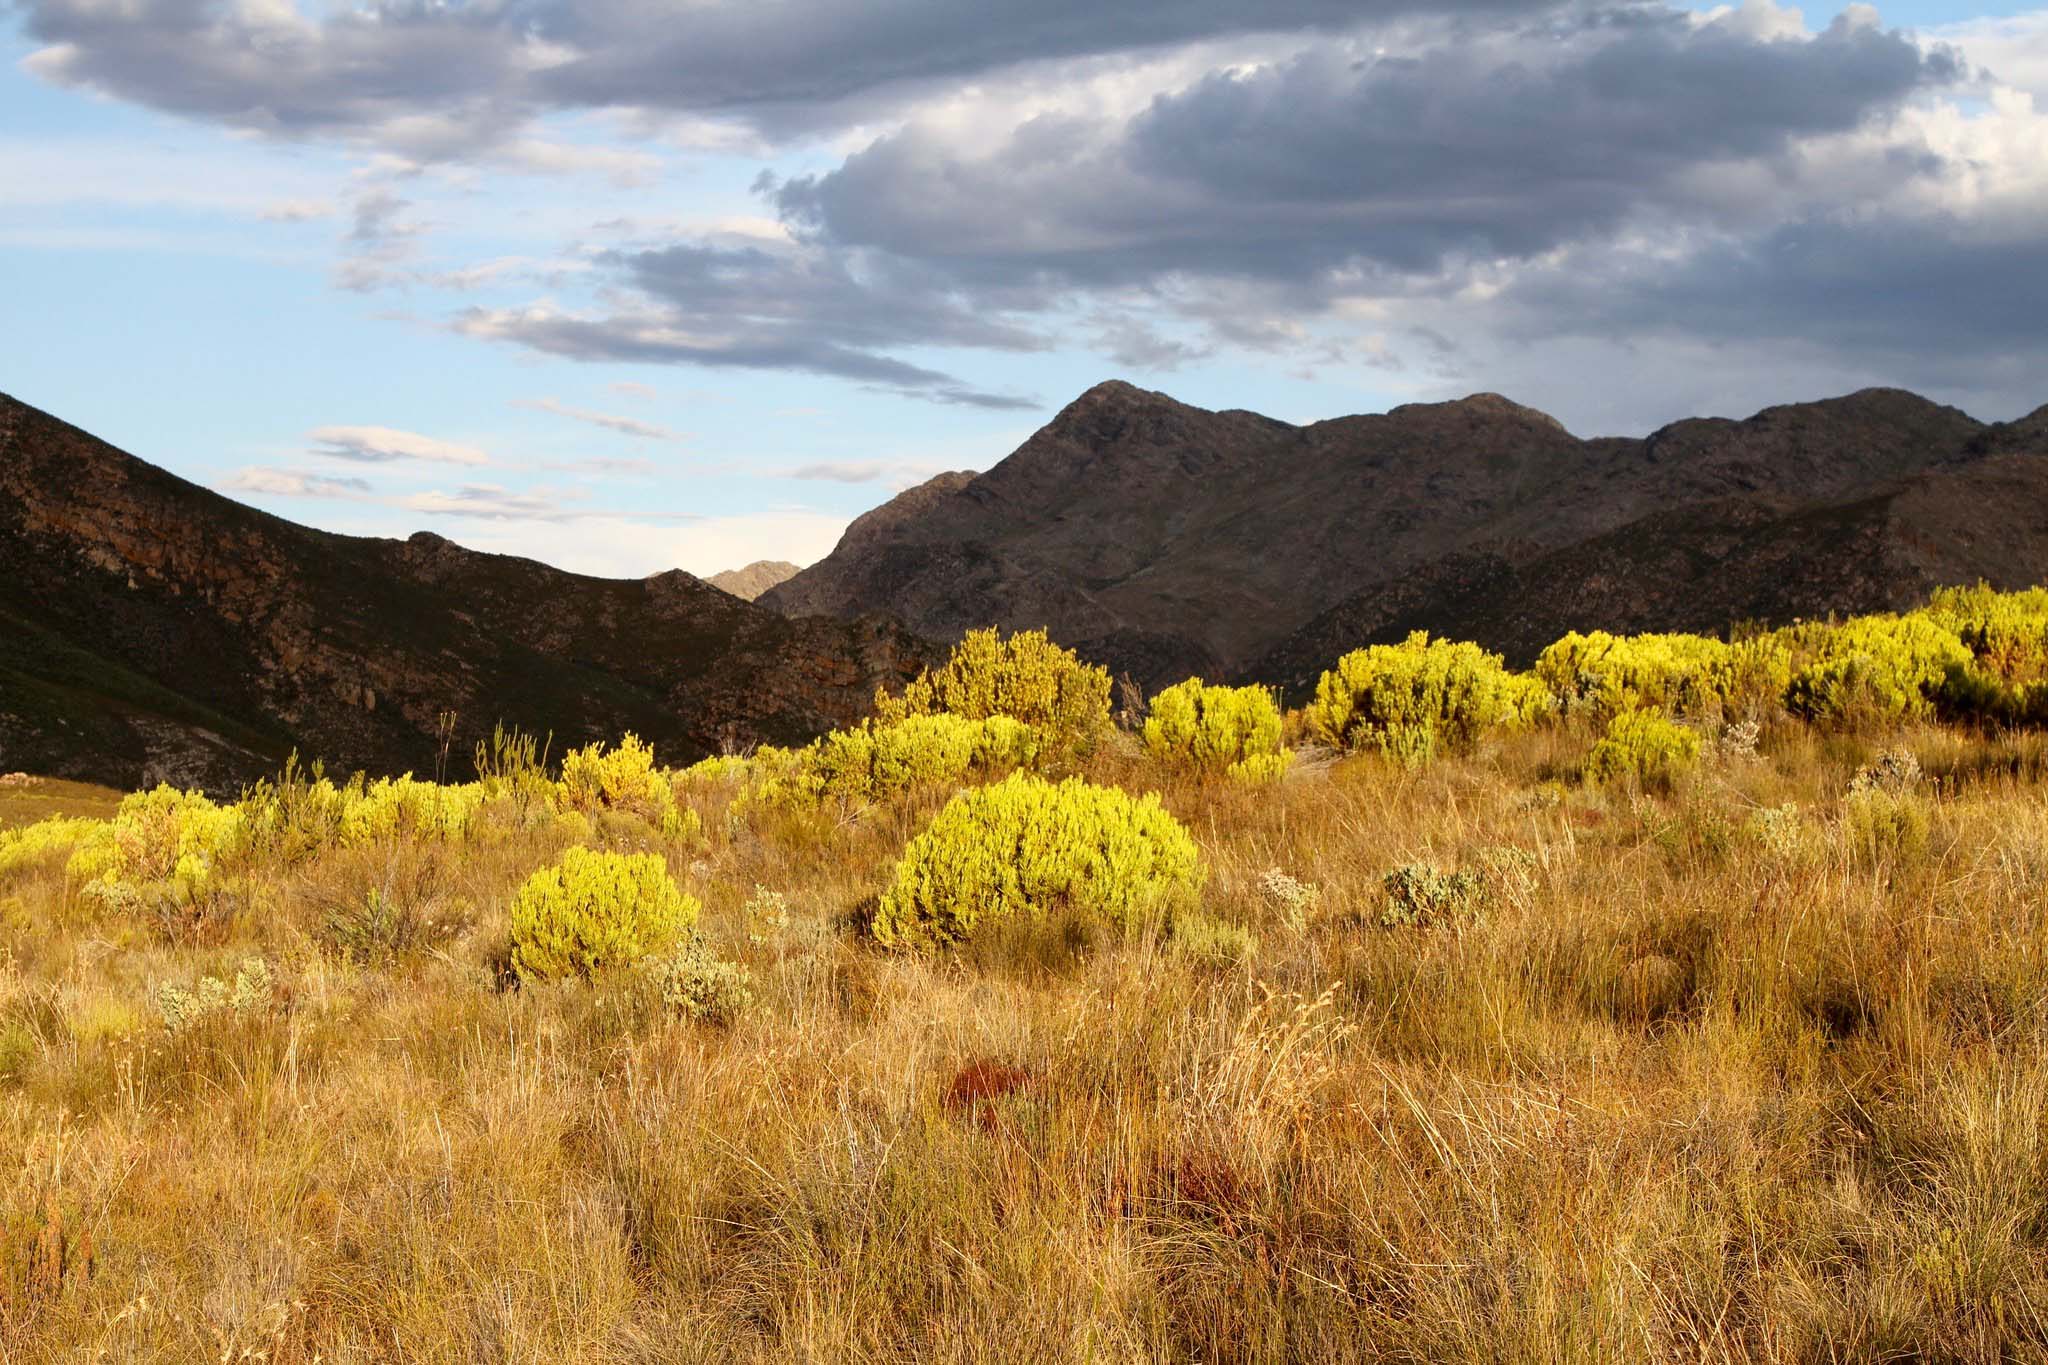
column 1025, row 677
column 1686, row 675
column 407, row 808
column 1221, row 731
column 1646, row 747
column 1028, row 847
column 2005, row 632
column 594, row 910
column 44, row 839
column 165, row 836
column 1420, row 698
column 874, row 761
column 595, row 779
column 1873, row 667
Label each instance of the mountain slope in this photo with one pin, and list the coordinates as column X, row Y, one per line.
column 150, row 629
column 753, row 580
column 1166, row 540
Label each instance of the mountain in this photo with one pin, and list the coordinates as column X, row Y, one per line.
column 152, row 630
column 1165, row 540
column 750, row 582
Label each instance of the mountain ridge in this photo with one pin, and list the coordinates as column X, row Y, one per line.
column 1165, row 540
column 153, row 630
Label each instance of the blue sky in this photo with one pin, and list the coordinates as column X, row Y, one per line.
column 527, row 277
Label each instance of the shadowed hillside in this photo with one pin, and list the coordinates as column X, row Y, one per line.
column 150, row 629
column 1166, row 540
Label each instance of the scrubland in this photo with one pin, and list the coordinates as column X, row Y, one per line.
column 1677, row 1000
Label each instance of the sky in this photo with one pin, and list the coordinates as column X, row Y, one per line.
column 630, row 285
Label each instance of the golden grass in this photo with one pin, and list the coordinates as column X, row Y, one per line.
column 1697, row 1084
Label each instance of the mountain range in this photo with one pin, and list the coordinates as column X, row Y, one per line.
column 153, row 630
column 1165, row 540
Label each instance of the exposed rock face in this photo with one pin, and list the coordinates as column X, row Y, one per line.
column 750, row 582
column 150, row 629
column 1165, row 540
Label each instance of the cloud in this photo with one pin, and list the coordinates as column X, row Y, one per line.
column 750, row 308
column 897, row 474
column 436, row 82
column 1479, row 146
column 295, row 483
column 627, row 388
column 627, row 426
column 623, row 547
column 296, row 210
column 380, row 445
column 492, row 502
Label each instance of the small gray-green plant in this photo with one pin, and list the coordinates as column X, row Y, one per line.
column 699, row 985
column 1421, row 894
column 247, row 994
column 1296, row 900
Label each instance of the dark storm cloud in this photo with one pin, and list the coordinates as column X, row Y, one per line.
column 1942, row 299
column 1473, row 149
column 753, row 307
column 464, row 74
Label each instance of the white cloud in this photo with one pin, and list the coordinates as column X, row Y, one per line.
column 625, row 547
column 380, row 445
column 626, row 426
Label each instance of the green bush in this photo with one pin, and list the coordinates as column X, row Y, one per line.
column 1026, row 677
column 1421, row 894
column 1873, row 667
column 592, row 911
column 873, row 761
column 1642, row 745
column 1220, row 731
column 1028, row 847
column 624, row 779
column 1420, row 698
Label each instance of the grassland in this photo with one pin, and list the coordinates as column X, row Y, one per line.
column 1734, row 1071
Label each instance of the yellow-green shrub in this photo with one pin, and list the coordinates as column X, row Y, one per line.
column 1687, row 675
column 1028, row 847
column 1884, row 667
column 623, row 779
column 2007, row 632
column 1217, row 730
column 1026, row 677
column 1421, row 697
column 165, row 835
column 591, row 911
column 404, row 807
column 45, row 838
column 875, row 761
column 1645, row 746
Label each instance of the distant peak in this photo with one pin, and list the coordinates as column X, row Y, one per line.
column 1483, row 405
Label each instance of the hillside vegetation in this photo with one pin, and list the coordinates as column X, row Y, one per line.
column 1675, row 999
